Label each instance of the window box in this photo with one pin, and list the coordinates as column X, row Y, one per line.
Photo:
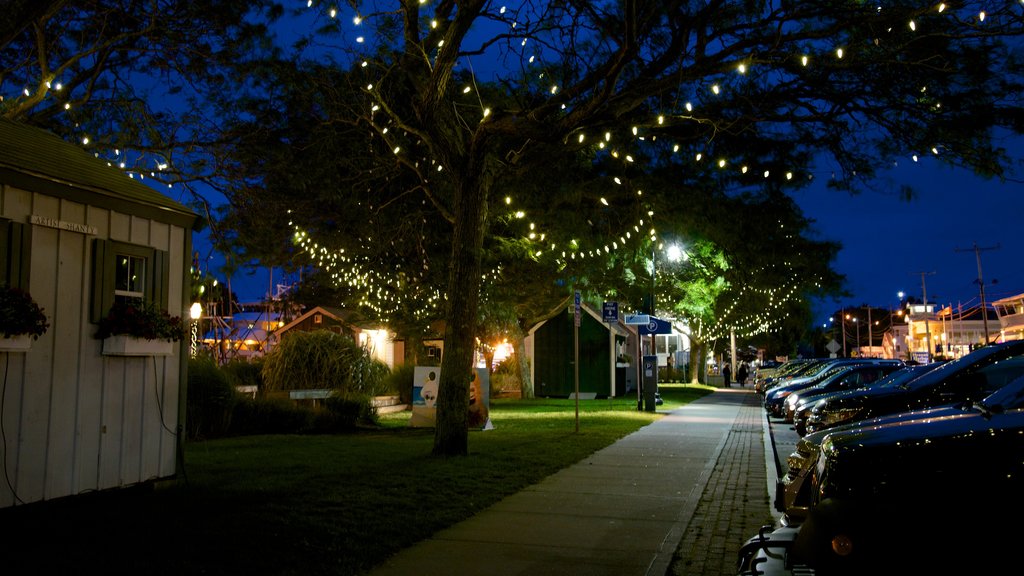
column 19, row 343
column 122, row 345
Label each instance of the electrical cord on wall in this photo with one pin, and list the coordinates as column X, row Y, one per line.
column 3, row 435
column 176, row 433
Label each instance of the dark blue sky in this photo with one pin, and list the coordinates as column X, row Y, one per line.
column 888, row 242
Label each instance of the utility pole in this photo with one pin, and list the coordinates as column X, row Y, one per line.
column 870, row 342
column 981, row 283
column 927, row 330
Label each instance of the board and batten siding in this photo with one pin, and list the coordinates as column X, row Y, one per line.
column 74, row 420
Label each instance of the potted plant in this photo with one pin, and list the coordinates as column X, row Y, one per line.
column 21, row 319
column 137, row 328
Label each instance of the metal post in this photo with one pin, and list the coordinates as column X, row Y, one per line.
column 842, row 318
column 927, row 328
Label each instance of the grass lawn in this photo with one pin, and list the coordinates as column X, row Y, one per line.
column 326, row 504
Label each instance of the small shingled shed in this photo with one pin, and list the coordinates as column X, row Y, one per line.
column 550, row 345
column 77, row 233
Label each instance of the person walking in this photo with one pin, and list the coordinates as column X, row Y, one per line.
column 727, row 375
column 741, row 374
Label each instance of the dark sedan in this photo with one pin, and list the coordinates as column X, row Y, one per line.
column 967, row 379
column 929, row 492
column 774, row 399
column 852, row 378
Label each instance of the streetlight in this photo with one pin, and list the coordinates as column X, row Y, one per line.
column 196, row 312
column 844, row 318
column 858, row 335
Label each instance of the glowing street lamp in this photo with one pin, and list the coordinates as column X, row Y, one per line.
column 196, row 312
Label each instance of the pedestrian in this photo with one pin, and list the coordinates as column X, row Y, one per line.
column 741, row 374
column 727, row 375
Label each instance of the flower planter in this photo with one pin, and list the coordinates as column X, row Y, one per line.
column 19, row 343
column 120, row 345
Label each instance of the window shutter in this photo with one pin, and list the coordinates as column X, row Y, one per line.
column 102, row 279
column 15, row 252
column 158, row 277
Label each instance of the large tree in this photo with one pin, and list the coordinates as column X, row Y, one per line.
column 455, row 101
column 728, row 78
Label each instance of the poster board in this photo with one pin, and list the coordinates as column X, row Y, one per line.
column 425, row 384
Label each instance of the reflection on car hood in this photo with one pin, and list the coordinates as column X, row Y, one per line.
column 924, row 425
column 930, row 413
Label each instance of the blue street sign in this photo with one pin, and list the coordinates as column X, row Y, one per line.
column 637, row 318
column 655, row 326
column 610, row 312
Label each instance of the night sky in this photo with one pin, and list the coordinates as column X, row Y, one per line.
column 888, row 241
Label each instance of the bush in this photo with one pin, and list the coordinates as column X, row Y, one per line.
column 322, row 359
column 270, row 416
column 400, row 381
column 211, row 399
column 367, row 377
column 243, row 373
column 346, row 413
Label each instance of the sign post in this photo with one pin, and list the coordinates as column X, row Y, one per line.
column 576, row 361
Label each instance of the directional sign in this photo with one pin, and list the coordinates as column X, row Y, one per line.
column 576, row 309
column 833, row 346
column 655, row 326
column 610, row 312
column 637, row 318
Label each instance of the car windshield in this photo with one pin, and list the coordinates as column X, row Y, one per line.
column 979, row 357
column 904, row 375
column 1008, row 397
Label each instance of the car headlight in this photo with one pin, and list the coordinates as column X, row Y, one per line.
column 792, row 400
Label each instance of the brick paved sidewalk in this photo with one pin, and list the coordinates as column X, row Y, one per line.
column 734, row 505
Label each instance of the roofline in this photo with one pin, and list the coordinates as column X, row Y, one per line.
column 92, row 196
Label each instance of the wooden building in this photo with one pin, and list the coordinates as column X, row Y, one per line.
column 77, row 233
column 550, row 345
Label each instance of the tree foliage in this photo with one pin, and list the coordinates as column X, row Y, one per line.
column 414, row 141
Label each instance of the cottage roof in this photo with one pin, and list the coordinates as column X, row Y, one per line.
column 34, row 159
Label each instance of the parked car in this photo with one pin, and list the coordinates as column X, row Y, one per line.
column 774, row 398
column 794, row 500
column 786, row 370
column 806, row 405
column 928, row 492
column 852, row 378
column 966, row 379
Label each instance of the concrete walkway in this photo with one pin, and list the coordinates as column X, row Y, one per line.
column 695, row 482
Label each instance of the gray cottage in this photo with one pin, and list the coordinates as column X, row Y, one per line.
column 76, row 233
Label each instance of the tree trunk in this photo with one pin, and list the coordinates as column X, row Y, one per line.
column 697, row 353
column 451, row 434
column 523, row 367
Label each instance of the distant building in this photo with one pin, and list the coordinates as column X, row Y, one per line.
column 1010, row 312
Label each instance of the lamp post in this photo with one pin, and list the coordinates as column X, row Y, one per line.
column 196, row 312
column 858, row 334
column 843, row 318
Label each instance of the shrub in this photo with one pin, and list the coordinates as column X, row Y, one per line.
column 244, row 373
column 211, row 399
column 322, row 360
column 270, row 416
column 346, row 413
column 400, row 381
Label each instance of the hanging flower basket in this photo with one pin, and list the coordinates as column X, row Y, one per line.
column 135, row 328
column 21, row 320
